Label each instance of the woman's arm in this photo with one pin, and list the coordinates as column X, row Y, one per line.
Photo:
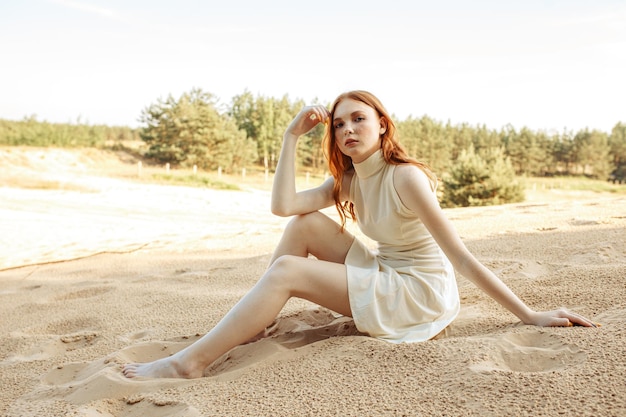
column 285, row 200
column 414, row 190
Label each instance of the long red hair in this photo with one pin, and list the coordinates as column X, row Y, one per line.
column 338, row 163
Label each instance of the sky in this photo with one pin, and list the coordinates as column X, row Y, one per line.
column 548, row 65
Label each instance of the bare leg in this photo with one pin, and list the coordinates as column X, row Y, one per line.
column 290, row 274
column 314, row 234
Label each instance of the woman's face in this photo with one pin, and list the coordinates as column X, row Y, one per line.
column 357, row 129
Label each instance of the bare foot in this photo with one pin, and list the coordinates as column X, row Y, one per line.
column 168, row 367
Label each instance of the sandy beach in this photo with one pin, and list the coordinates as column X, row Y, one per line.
column 96, row 272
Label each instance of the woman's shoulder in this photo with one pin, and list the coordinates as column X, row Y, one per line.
column 409, row 172
column 410, row 176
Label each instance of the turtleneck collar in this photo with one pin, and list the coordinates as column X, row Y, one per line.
column 374, row 163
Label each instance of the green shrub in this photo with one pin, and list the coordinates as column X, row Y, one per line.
column 476, row 180
column 190, row 131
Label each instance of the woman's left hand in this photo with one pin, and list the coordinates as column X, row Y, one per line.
column 307, row 119
column 561, row 317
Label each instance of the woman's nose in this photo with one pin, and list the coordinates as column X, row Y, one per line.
column 347, row 129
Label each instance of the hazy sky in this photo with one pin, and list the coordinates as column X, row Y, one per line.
column 542, row 64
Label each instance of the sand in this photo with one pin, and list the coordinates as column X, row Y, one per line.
column 97, row 272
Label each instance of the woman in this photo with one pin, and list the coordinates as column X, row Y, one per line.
column 406, row 292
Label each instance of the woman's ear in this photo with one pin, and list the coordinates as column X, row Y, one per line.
column 383, row 125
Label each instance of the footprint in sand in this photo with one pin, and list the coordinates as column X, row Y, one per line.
column 608, row 253
column 84, row 293
column 139, row 407
column 102, row 380
column 100, row 389
column 583, row 222
column 592, row 254
column 526, row 352
column 524, row 269
column 52, row 347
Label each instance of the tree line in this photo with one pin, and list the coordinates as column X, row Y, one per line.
column 32, row 132
column 194, row 119
column 195, row 129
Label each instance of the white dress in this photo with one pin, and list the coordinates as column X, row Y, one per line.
column 405, row 291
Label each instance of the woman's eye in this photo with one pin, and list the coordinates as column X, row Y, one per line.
column 338, row 125
column 359, row 119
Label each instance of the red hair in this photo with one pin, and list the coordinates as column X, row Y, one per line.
column 338, row 163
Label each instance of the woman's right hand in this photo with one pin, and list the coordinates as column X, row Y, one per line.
column 307, row 119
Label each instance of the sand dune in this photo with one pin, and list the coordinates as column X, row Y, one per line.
column 116, row 272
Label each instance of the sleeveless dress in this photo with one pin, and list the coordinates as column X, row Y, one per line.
column 405, row 291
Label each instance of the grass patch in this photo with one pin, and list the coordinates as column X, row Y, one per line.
column 190, row 180
column 254, row 178
column 34, row 183
column 573, row 184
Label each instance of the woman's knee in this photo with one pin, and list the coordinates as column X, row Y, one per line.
column 311, row 224
column 281, row 273
column 305, row 222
